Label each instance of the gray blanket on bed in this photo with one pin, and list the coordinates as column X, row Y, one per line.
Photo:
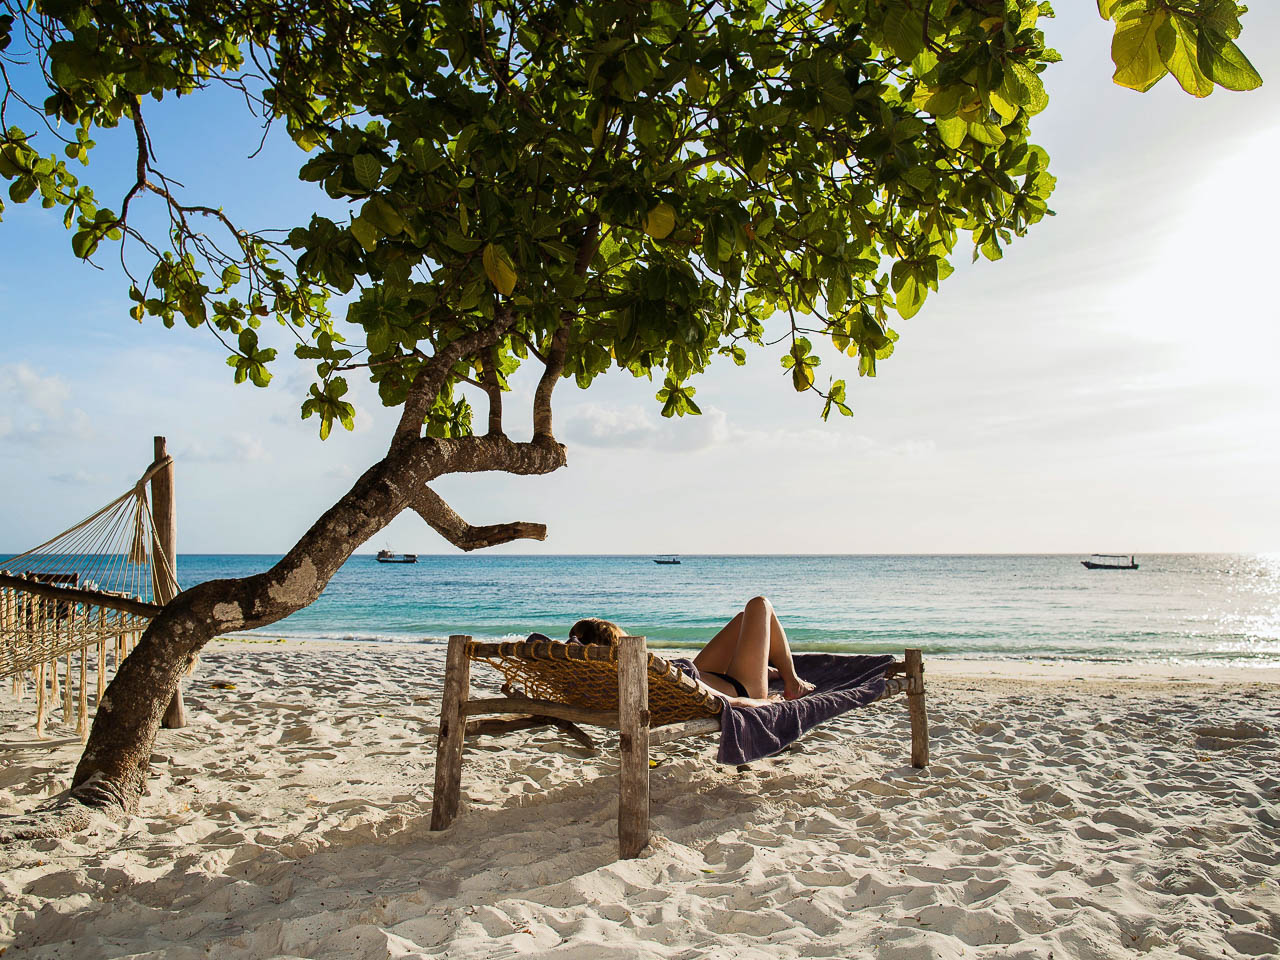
column 843, row 682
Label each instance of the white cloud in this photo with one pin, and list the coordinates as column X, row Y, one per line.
column 45, row 395
column 634, row 427
column 233, row 448
column 37, row 408
column 826, row 439
column 81, row 478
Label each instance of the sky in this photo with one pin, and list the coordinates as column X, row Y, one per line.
column 1111, row 385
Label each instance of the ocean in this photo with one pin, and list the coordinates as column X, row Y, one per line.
column 1176, row 608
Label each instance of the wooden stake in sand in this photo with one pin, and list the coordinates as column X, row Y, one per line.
column 82, row 718
column 453, row 729
column 915, row 708
column 68, row 694
column 39, row 701
column 164, row 559
column 102, row 655
column 633, row 746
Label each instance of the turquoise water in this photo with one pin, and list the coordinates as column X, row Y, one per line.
column 1175, row 608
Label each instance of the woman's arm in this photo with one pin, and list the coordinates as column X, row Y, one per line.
column 754, row 701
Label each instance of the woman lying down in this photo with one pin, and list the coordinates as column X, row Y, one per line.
column 737, row 663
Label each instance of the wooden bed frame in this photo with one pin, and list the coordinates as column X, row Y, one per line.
column 652, row 703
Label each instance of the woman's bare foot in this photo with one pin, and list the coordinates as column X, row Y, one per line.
column 795, row 688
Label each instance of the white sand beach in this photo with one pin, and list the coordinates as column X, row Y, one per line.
column 1071, row 811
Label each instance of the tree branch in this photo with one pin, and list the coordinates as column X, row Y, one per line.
column 431, row 507
column 435, row 371
column 547, row 383
column 560, row 339
column 494, row 389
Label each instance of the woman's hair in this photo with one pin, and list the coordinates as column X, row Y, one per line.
column 595, row 630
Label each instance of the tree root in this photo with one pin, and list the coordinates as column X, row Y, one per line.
column 72, row 812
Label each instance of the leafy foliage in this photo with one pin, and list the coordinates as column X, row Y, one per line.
column 663, row 177
column 1192, row 39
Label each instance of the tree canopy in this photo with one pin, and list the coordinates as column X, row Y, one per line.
column 657, row 177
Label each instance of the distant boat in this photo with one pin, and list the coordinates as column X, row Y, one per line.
column 1109, row 561
column 667, row 561
column 386, row 556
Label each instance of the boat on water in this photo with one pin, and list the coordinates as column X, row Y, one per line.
column 1110, row 561
column 666, row 561
column 386, row 556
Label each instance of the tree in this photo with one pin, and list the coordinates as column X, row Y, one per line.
column 633, row 182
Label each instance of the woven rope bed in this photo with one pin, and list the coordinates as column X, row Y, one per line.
column 624, row 688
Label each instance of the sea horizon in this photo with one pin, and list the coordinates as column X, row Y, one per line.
column 1221, row 608
column 1207, row 608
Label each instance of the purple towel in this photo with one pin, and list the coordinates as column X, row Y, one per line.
column 843, row 682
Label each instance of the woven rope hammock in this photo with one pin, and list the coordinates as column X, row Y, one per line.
column 586, row 675
column 90, row 591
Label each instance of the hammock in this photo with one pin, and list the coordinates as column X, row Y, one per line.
column 91, row 591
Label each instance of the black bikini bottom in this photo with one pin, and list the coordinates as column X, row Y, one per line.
column 742, row 691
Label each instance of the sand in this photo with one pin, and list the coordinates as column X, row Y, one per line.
column 1071, row 811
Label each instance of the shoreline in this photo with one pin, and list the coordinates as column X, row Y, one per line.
column 974, row 665
column 1083, row 814
column 1232, row 668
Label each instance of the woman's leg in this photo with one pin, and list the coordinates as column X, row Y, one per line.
column 719, row 650
column 750, row 663
column 780, row 656
column 746, row 647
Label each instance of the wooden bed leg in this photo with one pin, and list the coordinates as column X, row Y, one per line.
column 915, row 707
column 633, row 747
column 453, row 728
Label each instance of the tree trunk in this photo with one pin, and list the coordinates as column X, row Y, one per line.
column 111, row 776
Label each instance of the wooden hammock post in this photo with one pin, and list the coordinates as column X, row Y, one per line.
column 9, row 635
column 915, row 708
column 102, row 654
column 164, row 560
column 453, row 729
column 39, row 701
column 633, row 747
column 68, row 694
column 51, row 642
column 82, row 714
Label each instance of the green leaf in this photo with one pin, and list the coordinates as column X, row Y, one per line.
column 904, row 31
column 697, row 83
column 365, row 232
column 368, row 170
column 1177, row 42
column 660, row 221
column 988, row 133
column 84, row 243
column 21, row 189
column 499, row 268
column 379, row 212
column 1136, row 52
column 1226, row 65
column 952, row 130
column 1024, row 85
